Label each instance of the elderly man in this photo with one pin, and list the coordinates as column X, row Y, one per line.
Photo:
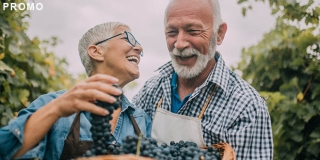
column 196, row 97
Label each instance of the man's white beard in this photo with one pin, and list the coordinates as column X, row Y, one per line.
column 201, row 62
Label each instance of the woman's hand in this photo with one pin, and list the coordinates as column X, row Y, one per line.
column 83, row 94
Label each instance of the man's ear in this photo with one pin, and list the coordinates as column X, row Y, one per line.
column 95, row 52
column 221, row 33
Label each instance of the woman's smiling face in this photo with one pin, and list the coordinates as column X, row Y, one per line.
column 121, row 59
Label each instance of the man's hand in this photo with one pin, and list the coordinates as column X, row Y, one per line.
column 83, row 94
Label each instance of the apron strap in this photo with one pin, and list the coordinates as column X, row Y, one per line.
column 72, row 140
column 207, row 102
column 136, row 128
column 75, row 128
column 159, row 103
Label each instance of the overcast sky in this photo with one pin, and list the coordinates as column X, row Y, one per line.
column 70, row 19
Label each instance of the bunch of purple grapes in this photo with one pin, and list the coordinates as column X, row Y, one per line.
column 101, row 128
column 174, row 151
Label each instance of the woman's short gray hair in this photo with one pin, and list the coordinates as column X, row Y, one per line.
column 216, row 14
column 92, row 36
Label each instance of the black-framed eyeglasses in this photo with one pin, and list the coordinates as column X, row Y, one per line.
column 130, row 38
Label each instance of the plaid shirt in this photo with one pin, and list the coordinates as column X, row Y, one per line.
column 236, row 113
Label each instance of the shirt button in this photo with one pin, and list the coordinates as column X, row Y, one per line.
column 17, row 131
column 114, row 142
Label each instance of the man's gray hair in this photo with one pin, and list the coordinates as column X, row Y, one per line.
column 216, row 14
column 91, row 37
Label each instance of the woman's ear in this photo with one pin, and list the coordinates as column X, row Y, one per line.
column 95, row 52
column 221, row 33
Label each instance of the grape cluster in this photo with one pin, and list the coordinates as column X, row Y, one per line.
column 174, row 151
column 101, row 128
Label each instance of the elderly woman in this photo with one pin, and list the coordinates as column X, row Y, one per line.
column 57, row 124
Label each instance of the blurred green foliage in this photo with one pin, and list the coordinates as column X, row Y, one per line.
column 27, row 68
column 285, row 68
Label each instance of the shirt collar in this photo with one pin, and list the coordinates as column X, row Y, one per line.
column 126, row 104
column 219, row 75
column 166, row 70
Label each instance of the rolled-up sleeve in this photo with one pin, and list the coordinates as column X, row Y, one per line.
column 251, row 134
column 12, row 135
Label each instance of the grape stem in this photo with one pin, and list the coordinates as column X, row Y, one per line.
column 138, row 145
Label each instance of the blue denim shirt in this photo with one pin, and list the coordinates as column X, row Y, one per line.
column 50, row 147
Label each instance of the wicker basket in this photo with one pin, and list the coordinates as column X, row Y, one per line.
column 225, row 150
column 117, row 157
